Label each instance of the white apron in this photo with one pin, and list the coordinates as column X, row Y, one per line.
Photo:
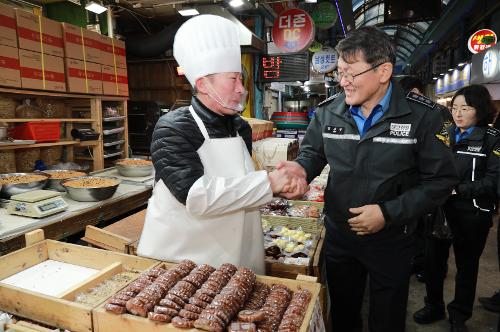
column 214, row 227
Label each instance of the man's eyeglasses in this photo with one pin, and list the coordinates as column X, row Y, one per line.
column 462, row 109
column 349, row 78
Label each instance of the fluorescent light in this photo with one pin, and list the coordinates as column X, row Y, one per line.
column 95, row 7
column 451, row 69
column 188, row 12
column 462, row 63
column 434, row 78
column 236, row 3
column 311, row 1
column 442, row 74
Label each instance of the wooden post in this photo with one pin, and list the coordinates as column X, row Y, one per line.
column 34, row 237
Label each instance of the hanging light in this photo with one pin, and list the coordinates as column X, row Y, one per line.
column 95, row 7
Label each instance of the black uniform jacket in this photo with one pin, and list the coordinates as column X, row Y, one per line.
column 400, row 163
column 476, row 159
column 176, row 139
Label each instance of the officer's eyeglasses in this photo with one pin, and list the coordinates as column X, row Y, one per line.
column 349, row 78
column 462, row 109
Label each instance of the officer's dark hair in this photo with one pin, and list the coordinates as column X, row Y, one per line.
column 375, row 45
column 478, row 97
column 409, row 83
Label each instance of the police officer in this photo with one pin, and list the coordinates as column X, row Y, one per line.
column 388, row 168
column 469, row 209
column 424, row 227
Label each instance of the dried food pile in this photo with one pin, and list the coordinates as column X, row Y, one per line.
column 65, row 174
column 91, row 182
column 17, row 179
column 134, row 162
column 227, row 298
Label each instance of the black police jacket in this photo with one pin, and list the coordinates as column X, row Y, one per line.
column 477, row 162
column 402, row 163
column 176, row 139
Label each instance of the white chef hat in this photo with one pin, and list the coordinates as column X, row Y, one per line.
column 207, row 44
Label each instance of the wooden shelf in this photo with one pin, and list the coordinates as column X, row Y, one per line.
column 83, row 158
column 50, row 120
column 60, row 94
column 36, row 145
column 86, row 143
column 77, row 103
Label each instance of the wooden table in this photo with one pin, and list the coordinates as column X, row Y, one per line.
column 77, row 221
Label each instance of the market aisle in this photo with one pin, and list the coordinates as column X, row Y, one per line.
column 488, row 281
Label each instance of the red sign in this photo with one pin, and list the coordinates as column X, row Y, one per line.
column 293, row 31
column 481, row 40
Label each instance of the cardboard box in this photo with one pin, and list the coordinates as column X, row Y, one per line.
column 122, row 80
column 119, row 51
column 83, row 77
column 50, row 76
column 29, row 34
column 92, row 42
column 114, row 81
column 107, row 56
column 73, row 41
column 8, row 31
column 10, row 74
column 109, row 86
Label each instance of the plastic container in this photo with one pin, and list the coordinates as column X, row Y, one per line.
column 290, row 120
column 38, row 131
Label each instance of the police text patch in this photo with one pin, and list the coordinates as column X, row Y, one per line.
column 400, row 129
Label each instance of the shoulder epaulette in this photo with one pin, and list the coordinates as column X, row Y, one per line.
column 329, row 99
column 420, row 99
column 492, row 131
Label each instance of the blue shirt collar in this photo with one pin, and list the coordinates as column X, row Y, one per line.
column 459, row 135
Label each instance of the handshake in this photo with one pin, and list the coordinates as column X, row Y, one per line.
column 288, row 180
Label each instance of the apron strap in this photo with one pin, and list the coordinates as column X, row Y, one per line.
column 199, row 122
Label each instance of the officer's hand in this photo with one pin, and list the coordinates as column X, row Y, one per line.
column 279, row 180
column 298, row 185
column 297, row 188
column 369, row 219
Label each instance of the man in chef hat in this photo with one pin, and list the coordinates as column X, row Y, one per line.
column 205, row 202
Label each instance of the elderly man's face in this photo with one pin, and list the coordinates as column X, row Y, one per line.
column 227, row 90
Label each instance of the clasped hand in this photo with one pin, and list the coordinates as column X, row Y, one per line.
column 289, row 180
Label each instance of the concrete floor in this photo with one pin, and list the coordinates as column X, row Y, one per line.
column 488, row 281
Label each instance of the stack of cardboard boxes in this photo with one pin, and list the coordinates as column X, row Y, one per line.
column 9, row 56
column 58, row 57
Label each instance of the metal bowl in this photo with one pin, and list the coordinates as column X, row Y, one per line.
column 90, row 194
column 133, row 171
column 8, row 190
column 56, row 183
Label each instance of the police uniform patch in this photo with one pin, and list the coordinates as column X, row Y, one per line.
column 444, row 139
column 420, row 99
column 496, row 151
column 443, row 135
column 334, row 130
column 492, row 131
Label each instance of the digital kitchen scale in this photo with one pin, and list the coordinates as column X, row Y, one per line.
column 36, row 204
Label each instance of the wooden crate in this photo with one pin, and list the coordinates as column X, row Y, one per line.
column 60, row 311
column 105, row 321
column 319, row 205
column 118, row 236
column 291, row 271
